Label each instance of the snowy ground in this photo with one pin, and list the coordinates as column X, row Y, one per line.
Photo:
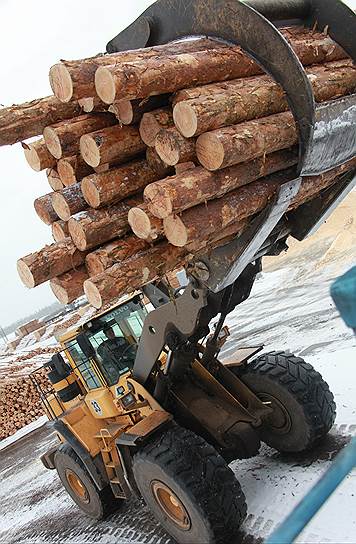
column 289, row 309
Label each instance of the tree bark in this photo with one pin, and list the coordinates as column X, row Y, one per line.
column 71, row 170
column 173, row 148
column 60, row 230
column 192, row 187
column 69, row 201
column 183, row 167
column 69, row 286
column 92, row 228
column 119, row 250
column 116, row 184
column 244, row 99
column 246, row 141
column 44, row 209
column 152, row 122
column 160, row 167
column 53, row 179
column 118, row 143
column 23, row 121
column 143, row 224
column 159, row 75
column 38, row 156
column 75, row 79
column 62, row 139
column 240, row 204
column 49, row 262
column 129, row 112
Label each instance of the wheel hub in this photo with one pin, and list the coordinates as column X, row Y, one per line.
column 77, row 486
column 279, row 420
column 171, row 505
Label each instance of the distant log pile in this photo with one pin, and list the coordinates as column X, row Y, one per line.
column 155, row 155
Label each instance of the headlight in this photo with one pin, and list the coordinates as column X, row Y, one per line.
column 127, row 400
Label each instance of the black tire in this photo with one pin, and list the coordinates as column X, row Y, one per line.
column 211, row 504
column 96, row 504
column 304, row 407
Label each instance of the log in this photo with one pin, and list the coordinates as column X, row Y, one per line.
column 129, row 112
column 119, row 250
column 143, row 224
column 139, row 79
column 118, row 143
column 69, row 201
column 62, row 139
column 73, row 169
column 90, row 104
column 69, row 286
column 173, row 148
column 38, row 156
column 49, row 262
column 23, row 121
column 60, row 230
column 193, row 187
column 154, row 160
column 242, row 203
column 53, row 179
column 116, row 184
column 250, row 98
column 246, row 141
column 153, row 122
column 44, row 209
column 75, row 79
column 92, row 228
column 183, row 167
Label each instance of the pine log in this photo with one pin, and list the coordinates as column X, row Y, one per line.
column 75, row 79
column 173, row 148
column 129, row 112
column 153, row 122
column 242, row 203
column 118, row 143
column 54, row 179
column 140, row 78
column 94, row 227
column 154, row 160
column 241, row 100
column 62, row 139
column 38, row 156
column 49, row 262
column 90, row 104
column 23, row 121
column 69, row 286
column 183, row 167
column 73, row 169
column 60, row 230
column 246, row 141
column 192, row 187
column 44, row 209
column 143, row 224
column 69, row 201
column 118, row 183
column 119, row 250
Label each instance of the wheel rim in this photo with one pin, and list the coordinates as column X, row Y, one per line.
column 77, row 486
column 279, row 421
column 171, row 505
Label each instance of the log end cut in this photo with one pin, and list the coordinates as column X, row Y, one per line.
column 32, row 157
column 77, row 234
column 142, row 225
column 175, row 231
column 60, row 206
column 90, row 192
column 93, row 294
column 25, row 274
column 158, row 201
column 185, row 119
column 61, row 82
column 123, row 111
column 52, row 142
column 89, row 150
column 210, row 151
column 105, row 85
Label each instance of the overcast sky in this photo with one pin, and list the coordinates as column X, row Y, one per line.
column 35, row 35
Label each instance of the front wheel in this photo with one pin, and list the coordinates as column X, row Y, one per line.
column 189, row 488
column 302, row 403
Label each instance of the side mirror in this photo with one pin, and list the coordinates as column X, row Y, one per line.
column 85, row 345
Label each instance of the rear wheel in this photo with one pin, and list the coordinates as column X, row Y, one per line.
column 78, row 483
column 189, row 488
column 303, row 406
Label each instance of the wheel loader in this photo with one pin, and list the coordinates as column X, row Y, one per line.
column 140, row 401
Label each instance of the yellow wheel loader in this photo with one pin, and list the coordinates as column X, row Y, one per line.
column 141, row 403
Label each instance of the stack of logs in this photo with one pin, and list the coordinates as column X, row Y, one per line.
column 20, row 403
column 158, row 154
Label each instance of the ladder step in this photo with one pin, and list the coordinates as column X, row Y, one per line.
column 110, row 465
column 115, row 481
column 107, row 450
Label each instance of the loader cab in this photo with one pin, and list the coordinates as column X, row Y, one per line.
column 104, row 349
